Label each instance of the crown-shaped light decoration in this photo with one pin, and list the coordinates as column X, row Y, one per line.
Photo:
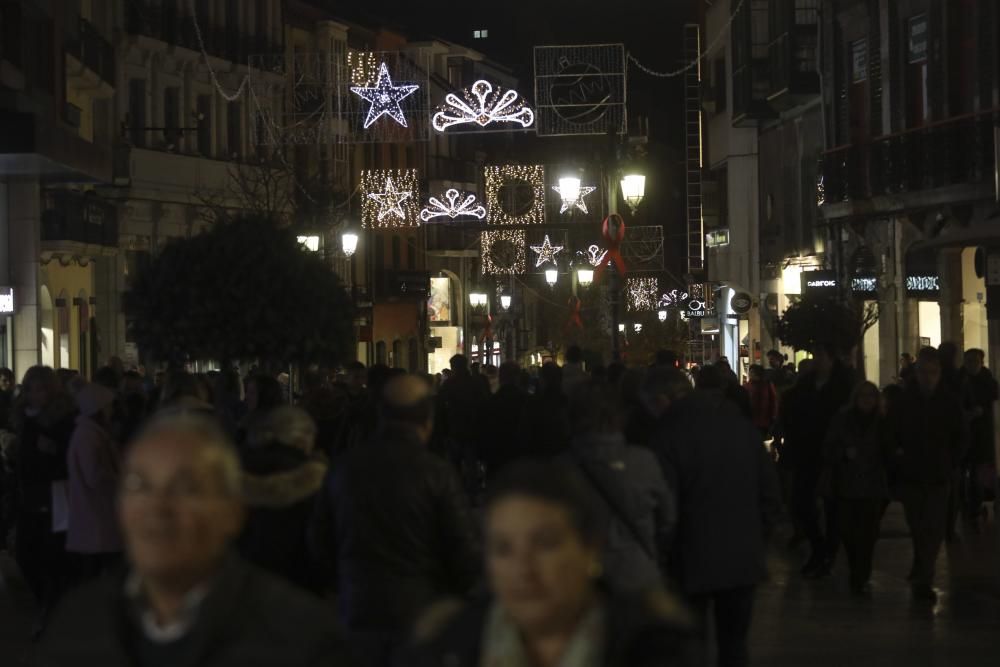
column 672, row 299
column 453, row 208
column 482, row 106
column 595, row 255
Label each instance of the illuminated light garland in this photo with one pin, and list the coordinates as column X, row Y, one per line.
column 546, row 252
column 453, row 208
column 579, row 203
column 672, row 299
column 491, row 245
column 499, row 176
column 363, row 67
column 482, row 106
column 389, row 198
column 384, row 98
column 643, row 293
column 595, row 255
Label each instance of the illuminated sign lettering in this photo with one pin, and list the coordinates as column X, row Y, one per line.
column 7, row 300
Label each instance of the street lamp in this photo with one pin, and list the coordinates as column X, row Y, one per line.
column 311, row 243
column 505, row 301
column 585, row 276
column 633, row 190
column 349, row 243
column 662, row 314
column 477, row 299
column 569, row 190
column 551, row 276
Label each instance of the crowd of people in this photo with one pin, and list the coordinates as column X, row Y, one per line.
column 487, row 516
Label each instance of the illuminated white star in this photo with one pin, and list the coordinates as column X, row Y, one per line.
column 384, row 98
column 390, row 201
column 546, row 252
column 579, row 203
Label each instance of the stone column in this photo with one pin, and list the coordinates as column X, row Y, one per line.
column 950, row 272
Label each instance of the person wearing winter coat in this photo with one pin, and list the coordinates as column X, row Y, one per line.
column 763, row 400
column 628, row 484
column 979, row 465
column 857, row 458
column 727, row 502
column 94, row 463
column 929, row 439
column 547, row 605
column 282, row 477
column 43, row 419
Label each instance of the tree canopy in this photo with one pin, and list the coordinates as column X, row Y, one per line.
column 815, row 321
column 244, row 290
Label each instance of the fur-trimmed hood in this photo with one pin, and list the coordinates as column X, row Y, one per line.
column 285, row 488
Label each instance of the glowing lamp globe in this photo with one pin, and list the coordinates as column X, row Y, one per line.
column 551, row 276
column 569, row 190
column 477, row 299
column 505, row 301
column 662, row 315
column 349, row 243
column 633, row 189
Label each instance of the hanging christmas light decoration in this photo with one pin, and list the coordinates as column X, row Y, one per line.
column 483, row 107
column 363, row 67
column 595, row 255
column 454, row 208
column 503, row 177
column 389, row 198
column 642, row 293
column 546, row 252
column 503, row 252
column 673, row 299
column 579, row 203
column 384, row 98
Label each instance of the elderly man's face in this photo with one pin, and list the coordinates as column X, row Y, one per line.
column 177, row 515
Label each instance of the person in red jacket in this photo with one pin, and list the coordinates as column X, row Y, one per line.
column 763, row 400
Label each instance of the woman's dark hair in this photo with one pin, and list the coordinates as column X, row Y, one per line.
column 551, row 377
column 595, row 408
column 554, row 484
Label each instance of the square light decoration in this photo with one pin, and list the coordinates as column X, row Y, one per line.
column 503, row 252
column 390, row 198
column 515, row 194
column 642, row 293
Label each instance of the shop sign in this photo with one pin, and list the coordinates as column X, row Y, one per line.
column 717, row 238
column 741, row 303
column 864, row 284
column 700, row 302
column 819, row 282
column 917, row 42
column 923, row 285
column 6, row 300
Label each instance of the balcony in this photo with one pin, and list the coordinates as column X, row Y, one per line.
column 751, row 63
column 449, row 169
column 79, row 224
column 90, row 62
column 402, row 286
column 947, row 162
column 445, row 240
column 792, row 53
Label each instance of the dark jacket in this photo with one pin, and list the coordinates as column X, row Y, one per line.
column 929, row 435
column 460, row 403
column 503, row 422
column 648, row 631
column 981, row 390
column 858, row 456
column 42, row 446
column 280, row 486
column 547, row 423
column 806, row 414
column 248, row 619
column 628, row 481
column 727, row 492
column 393, row 524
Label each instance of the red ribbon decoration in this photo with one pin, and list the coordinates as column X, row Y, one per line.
column 614, row 246
column 574, row 316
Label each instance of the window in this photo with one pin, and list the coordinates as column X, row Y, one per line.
column 396, row 260
column 137, row 111
column 917, row 101
column 859, row 61
column 480, row 34
column 412, row 356
column 234, row 129
column 719, row 84
column 380, row 353
column 171, row 114
column 205, row 125
column 397, row 354
column 411, row 253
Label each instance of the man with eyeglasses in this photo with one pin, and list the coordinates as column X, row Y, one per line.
column 186, row 599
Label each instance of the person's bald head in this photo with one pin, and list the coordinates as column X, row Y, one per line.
column 407, row 401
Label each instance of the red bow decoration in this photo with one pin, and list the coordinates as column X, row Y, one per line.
column 488, row 331
column 614, row 246
column 574, row 316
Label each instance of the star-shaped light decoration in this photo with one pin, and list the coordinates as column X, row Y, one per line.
column 546, row 252
column 579, row 203
column 384, row 98
column 390, row 201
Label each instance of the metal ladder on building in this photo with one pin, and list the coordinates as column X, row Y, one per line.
column 693, row 152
